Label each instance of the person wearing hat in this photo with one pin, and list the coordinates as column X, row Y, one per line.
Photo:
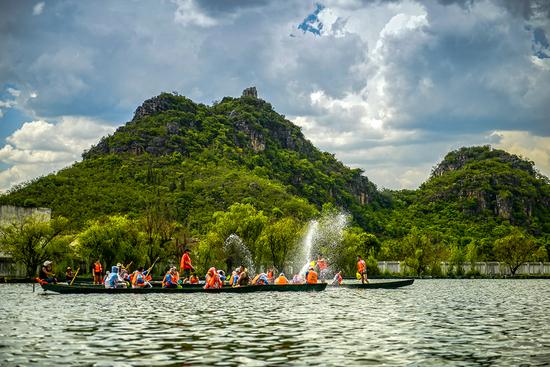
column 69, row 275
column 185, row 264
column 46, row 274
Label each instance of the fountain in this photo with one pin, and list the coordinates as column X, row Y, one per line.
column 238, row 254
column 322, row 237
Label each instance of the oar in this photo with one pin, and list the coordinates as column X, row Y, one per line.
column 75, row 274
column 151, row 268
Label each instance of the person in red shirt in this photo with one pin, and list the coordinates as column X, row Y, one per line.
column 185, row 264
column 362, row 269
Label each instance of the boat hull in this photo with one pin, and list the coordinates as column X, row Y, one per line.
column 66, row 289
column 378, row 285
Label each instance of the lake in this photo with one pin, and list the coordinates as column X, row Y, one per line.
column 433, row 322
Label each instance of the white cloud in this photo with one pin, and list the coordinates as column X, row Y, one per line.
column 14, row 92
column 41, row 147
column 38, row 8
column 187, row 13
column 527, row 145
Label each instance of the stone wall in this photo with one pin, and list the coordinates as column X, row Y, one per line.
column 484, row 268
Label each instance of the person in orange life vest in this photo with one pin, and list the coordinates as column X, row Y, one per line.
column 362, row 269
column 97, row 272
column 270, row 275
column 185, row 264
column 281, row 279
column 337, row 279
column 194, row 279
column 138, row 279
column 213, row 279
column 311, row 277
column 170, row 279
column 323, row 267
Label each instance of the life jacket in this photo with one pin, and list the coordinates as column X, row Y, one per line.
column 98, row 268
column 194, row 280
column 213, row 279
column 281, row 280
column 338, row 278
column 312, row 277
column 361, row 266
column 270, row 274
column 322, row 264
column 169, row 279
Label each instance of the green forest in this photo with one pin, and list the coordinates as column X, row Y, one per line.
column 186, row 175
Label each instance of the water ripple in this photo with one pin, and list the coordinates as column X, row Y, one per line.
column 433, row 323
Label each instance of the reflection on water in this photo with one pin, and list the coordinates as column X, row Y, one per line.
column 433, row 322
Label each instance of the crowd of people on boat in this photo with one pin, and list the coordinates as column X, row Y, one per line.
column 120, row 277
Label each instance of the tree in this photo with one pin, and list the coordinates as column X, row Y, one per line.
column 29, row 240
column 114, row 239
column 279, row 239
column 244, row 221
column 422, row 251
column 514, row 249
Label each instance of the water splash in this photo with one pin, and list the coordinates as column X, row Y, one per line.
column 239, row 254
column 322, row 238
column 307, row 245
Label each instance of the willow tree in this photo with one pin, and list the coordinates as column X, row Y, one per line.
column 29, row 241
column 514, row 249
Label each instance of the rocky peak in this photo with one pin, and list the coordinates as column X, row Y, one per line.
column 163, row 102
column 250, row 92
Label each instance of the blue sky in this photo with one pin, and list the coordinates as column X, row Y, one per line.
column 388, row 86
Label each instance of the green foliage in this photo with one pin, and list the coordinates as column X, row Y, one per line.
column 33, row 241
column 111, row 240
column 279, row 240
column 515, row 249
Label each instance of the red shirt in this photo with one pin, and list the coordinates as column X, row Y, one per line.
column 186, row 261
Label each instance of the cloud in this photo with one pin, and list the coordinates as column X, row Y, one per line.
column 532, row 147
column 38, row 8
column 188, row 13
column 41, row 147
column 388, row 86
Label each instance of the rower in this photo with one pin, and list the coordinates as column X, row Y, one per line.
column 281, row 279
column 185, row 264
column 213, row 280
column 362, row 269
column 97, row 272
column 138, row 279
column 170, row 279
column 46, row 273
column 311, row 277
column 114, row 280
column 337, row 280
column 69, row 275
column 243, row 278
column 323, row 267
column 260, row 279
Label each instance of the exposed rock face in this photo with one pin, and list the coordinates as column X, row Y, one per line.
column 250, row 92
column 163, row 102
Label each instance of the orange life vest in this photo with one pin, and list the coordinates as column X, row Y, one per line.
column 194, row 280
column 312, row 277
column 361, row 266
column 281, row 280
column 98, row 268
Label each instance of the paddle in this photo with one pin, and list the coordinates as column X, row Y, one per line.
column 127, row 267
column 151, row 268
column 75, row 274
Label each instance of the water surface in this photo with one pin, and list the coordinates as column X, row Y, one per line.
column 433, row 322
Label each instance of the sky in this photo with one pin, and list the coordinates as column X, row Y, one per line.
column 387, row 86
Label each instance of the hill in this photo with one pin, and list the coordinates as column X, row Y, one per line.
column 198, row 159
column 474, row 196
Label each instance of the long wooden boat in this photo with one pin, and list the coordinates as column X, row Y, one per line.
column 67, row 289
column 383, row 284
